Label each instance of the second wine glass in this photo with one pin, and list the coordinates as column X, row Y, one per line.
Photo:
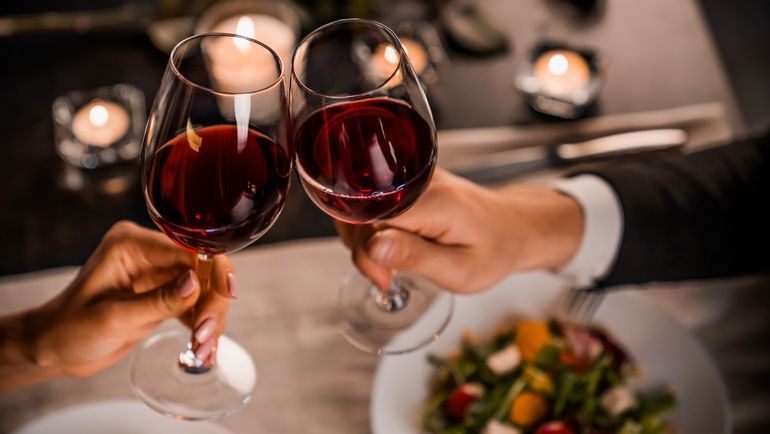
column 366, row 147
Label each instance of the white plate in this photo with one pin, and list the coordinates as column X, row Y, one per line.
column 666, row 352
column 115, row 417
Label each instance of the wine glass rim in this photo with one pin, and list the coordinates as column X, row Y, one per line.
column 380, row 86
column 189, row 82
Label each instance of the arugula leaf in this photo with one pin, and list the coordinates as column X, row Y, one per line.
column 654, row 404
column 548, row 357
column 594, row 376
column 565, row 388
column 433, row 419
column 516, row 388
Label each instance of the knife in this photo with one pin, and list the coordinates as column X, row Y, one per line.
column 501, row 165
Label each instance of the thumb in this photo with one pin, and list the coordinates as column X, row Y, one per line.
column 446, row 265
column 167, row 301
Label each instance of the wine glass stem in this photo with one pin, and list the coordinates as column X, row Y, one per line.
column 393, row 299
column 187, row 359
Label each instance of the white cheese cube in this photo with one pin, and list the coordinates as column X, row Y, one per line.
column 505, row 360
column 617, row 400
column 495, row 427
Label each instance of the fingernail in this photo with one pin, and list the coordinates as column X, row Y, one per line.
column 186, row 284
column 205, row 329
column 381, row 250
column 205, row 349
column 232, row 285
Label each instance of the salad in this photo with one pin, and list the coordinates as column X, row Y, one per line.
column 538, row 377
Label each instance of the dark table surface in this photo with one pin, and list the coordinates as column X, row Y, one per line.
column 660, row 52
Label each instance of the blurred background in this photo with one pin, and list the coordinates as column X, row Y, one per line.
column 702, row 63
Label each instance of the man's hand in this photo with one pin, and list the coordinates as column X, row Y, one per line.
column 466, row 237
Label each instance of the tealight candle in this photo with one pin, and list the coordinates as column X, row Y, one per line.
column 561, row 72
column 416, row 53
column 99, row 127
column 100, row 123
column 386, row 57
column 239, row 66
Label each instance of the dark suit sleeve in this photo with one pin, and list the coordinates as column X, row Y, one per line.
column 700, row 215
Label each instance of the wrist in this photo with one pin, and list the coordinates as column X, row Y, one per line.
column 544, row 226
column 564, row 229
column 20, row 359
column 16, row 347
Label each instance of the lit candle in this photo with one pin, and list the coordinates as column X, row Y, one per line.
column 240, row 66
column 561, row 72
column 416, row 53
column 386, row 57
column 100, row 123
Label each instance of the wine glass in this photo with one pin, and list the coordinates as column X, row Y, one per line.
column 215, row 172
column 365, row 146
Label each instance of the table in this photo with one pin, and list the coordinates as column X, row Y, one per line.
column 312, row 381
column 661, row 54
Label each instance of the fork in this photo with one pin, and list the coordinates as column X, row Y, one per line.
column 578, row 306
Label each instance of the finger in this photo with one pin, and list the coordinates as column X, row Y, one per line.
column 210, row 317
column 430, row 217
column 346, row 232
column 440, row 174
column 405, row 251
column 167, row 301
column 223, row 280
column 152, row 279
column 379, row 275
column 208, row 325
column 156, row 249
column 133, row 251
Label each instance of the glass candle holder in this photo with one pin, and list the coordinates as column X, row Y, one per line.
column 560, row 80
column 420, row 40
column 423, row 47
column 99, row 127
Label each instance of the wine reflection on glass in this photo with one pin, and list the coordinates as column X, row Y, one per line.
column 215, row 172
column 365, row 150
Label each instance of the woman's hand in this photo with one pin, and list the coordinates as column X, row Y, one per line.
column 134, row 280
column 466, row 237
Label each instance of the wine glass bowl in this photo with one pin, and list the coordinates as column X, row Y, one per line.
column 365, row 144
column 216, row 165
column 210, row 210
column 363, row 184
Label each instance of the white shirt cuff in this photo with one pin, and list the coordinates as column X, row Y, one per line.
column 603, row 228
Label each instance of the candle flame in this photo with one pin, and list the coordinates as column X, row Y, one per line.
column 391, row 55
column 98, row 115
column 558, row 64
column 245, row 27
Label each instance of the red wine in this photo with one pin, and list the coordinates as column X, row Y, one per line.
column 365, row 160
column 215, row 192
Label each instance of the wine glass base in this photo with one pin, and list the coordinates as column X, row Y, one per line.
column 168, row 388
column 371, row 326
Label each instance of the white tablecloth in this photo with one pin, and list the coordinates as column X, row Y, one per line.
column 312, row 381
